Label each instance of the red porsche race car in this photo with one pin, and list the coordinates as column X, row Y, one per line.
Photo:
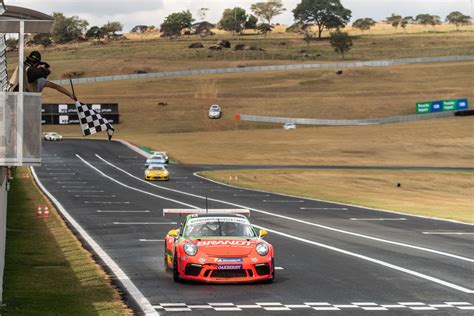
column 218, row 246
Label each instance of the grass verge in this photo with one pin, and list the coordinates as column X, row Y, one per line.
column 47, row 271
column 445, row 195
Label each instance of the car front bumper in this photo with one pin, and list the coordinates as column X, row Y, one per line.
column 247, row 271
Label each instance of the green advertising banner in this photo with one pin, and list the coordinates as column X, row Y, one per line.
column 423, row 107
column 449, row 105
column 444, row 105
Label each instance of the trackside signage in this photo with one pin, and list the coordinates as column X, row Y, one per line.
column 442, row 105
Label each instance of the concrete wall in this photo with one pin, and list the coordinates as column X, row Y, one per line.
column 373, row 63
column 3, row 223
column 320, row 122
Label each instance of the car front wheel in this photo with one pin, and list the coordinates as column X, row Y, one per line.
column 175, row 269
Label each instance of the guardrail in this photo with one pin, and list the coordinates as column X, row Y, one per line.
column 321, row 122
column 374, row 63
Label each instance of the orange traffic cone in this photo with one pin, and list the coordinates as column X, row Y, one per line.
column 39, row 212
column 46, row 213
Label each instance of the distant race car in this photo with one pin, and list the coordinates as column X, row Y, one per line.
column 215, row 112
column 288, row 126
column 155, row 160
column 157, row 172
column 52, row 136
column 218, row 246
column 162, row 153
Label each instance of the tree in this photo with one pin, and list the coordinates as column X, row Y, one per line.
column 267, row 10
column 202, row 13
column 12, row 44
column 233, row 20
column 395, row 20
column 325, row 14
column 264, row 28
column 435, row 20
column 139, row 29
column 428, row 19
column 341, row 42
column 43, row 39
column 251, row 22
column 95, row 32
column 405, row 21
column 112, row 27
column 175, row 22
column 67, row 29
column 458, row 19
column 363, row 24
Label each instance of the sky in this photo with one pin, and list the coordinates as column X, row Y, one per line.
column 153, row 12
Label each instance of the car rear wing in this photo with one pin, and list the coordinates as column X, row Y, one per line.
column 182, row 211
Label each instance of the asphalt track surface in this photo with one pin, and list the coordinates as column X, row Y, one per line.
column 331, row 258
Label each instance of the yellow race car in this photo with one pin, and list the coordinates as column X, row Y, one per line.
column 157, row 172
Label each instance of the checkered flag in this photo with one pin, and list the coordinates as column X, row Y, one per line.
column 92, row 122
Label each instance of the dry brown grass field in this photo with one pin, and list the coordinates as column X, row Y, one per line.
column 446, row 195
column 183, row 129
column 159, row 54
column 357, row 93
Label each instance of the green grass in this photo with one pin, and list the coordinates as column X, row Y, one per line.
column 47, row 271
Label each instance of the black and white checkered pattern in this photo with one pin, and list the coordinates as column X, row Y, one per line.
column 314, row 306
column 92, row 122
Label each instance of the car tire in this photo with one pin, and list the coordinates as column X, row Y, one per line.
column 175, row 269
column 272, row 278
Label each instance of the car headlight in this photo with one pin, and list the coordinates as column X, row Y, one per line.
column 190, row 249
column 262, row 249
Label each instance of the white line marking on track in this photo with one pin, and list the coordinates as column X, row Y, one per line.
column 152, row 240
column 95, row 196
column 71, row 182
column 134, row 292
column 378, row 219
column 58, row 169
column 144, row 223
column 63, row 173
column 85, row 191
column 448, row 233
column 96, row 202
column 130, row 187
column 325, row 208
column 279, row 268
column 373, row 260
column 120, row 211
column 248, row 306
column 251, row 195
column 77, row 187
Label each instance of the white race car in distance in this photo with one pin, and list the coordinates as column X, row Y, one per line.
column 52, row 136
column 215, row 112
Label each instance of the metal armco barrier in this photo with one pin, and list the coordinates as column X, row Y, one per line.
column 375, row 63
column 320, row 122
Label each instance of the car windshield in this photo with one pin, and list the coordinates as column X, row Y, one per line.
column 218, row 227
column 214, row 108
column 160, row 168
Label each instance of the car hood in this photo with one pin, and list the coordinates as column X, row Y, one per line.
column 226, row 247
column 153, row 172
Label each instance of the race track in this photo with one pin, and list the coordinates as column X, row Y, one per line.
column 331, row 258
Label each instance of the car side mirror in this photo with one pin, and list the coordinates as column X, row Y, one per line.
column 173, row 233
column 262, row 233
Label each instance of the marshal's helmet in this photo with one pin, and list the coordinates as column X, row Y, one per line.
column 34, row 57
